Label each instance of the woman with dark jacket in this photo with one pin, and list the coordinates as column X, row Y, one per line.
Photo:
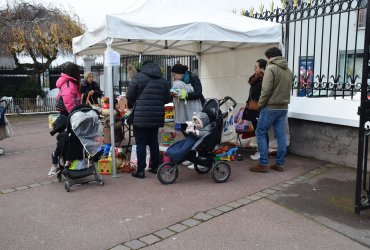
column 196, row 84
column 149, row 92
column 90, row 89
column 255, row 82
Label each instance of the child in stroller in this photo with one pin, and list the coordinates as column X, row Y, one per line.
column 83, row 139
column 199, row 149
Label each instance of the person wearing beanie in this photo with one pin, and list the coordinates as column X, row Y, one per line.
column 184, row 108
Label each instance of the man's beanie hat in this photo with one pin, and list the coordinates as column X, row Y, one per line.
column 178, row 69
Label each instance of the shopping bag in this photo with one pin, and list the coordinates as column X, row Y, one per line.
column 242, row 126
column 228, row 129
column 133, row 157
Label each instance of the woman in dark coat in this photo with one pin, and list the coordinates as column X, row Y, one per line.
column 148, row 92
column 255, row 82
column 90, row 89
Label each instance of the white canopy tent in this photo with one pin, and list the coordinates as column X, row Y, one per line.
column 176, row 27
column 221, row 39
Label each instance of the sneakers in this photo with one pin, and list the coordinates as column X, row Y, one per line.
column 53, row 171
column 186, row 163
column 259, row 168
column 191, row 166
column 255, row 156
column 277, row 168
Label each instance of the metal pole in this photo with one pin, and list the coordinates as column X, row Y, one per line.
column 109, row 78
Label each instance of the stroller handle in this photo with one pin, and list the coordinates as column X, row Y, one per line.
column 230, row 109
column 6, row 103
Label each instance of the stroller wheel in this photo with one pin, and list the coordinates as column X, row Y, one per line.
column 167, row 173
column 201, row 169
column 221, row 172
column 101, row 183
column 1, row 151
column 67, row 186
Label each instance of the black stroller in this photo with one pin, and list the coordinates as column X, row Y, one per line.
column 82, row 141
column 201, row 153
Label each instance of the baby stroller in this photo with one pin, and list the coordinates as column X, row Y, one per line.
column 201, row 153
column 82, row 141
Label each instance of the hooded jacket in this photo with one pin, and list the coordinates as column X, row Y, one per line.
column 276, row 84
column 69, row 90
column 149, row 109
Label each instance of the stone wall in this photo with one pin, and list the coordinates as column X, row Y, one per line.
column 324, row 141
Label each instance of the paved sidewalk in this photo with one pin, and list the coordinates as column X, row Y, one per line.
column 309, row 206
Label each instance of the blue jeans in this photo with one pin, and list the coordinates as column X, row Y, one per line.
column 268, row 118
column 144, row 137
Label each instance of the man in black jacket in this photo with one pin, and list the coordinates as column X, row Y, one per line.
column 149, row 92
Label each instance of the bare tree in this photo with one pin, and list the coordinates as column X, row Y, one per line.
column 36, row 31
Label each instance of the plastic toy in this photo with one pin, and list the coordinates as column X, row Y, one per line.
column 229, row 155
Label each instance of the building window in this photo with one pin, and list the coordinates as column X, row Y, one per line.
column 361, row 18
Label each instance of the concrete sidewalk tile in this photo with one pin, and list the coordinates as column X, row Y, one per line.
column 164, row 233
column 297, row 179
column 55, row 181
column 150, row 239
column 290, row 182
column 214, row 212
column 244, row 201
column 285, row 185
column 120, row 247
column 7, row 191
column 277, row 188
column 234, row 204
column 331, row 165
column 261, row 194
column 46, row 182
column 21, row 188
column 190, row 222
column 178, row 228
column 253, row 197
column 135, row 244
column 33, row 185
column 203, row 216
column 308, row 175
column 224, row 208
column 269, row 191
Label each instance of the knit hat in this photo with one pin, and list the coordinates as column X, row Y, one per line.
column 202, row 118
column 179, row 68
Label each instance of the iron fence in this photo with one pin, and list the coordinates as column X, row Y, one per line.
column 30, row 105
column 324, row 45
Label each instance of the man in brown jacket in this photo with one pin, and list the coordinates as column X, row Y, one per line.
column 274, row 100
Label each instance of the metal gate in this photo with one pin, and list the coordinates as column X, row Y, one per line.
column 326, row 43
column 165, row 62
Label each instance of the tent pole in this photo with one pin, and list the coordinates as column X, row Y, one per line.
column 109, row 66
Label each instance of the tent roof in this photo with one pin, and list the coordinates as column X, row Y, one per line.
column 176, row 27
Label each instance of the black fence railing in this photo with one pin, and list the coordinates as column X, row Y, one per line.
column 324, row 44
column 165, row 62
column 29, row 105
column 25, row 83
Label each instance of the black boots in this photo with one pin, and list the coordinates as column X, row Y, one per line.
column 153, row 170
column 138, row 174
